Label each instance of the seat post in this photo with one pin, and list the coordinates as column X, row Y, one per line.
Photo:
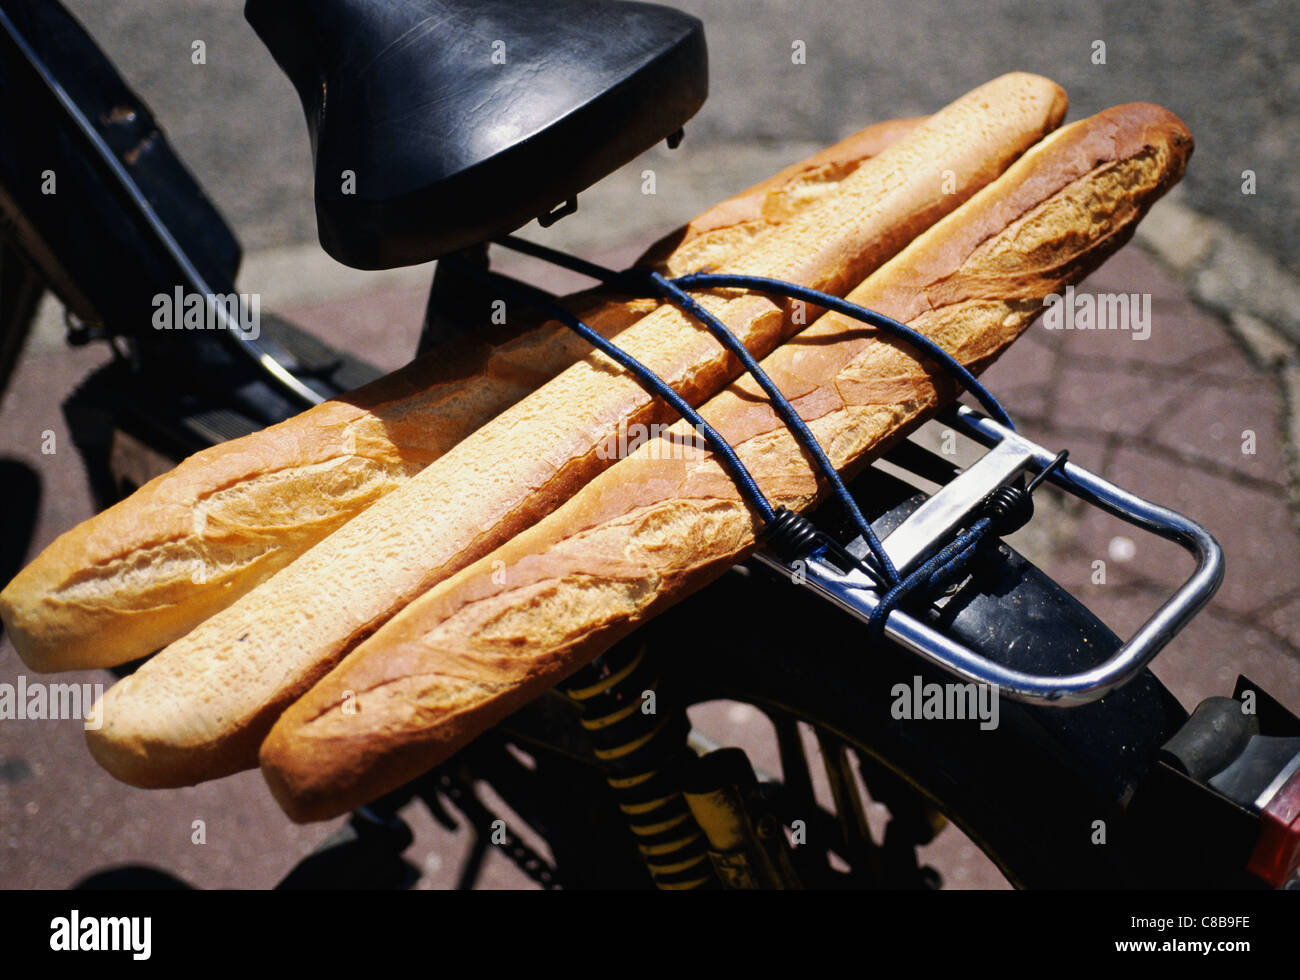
column 458, row 304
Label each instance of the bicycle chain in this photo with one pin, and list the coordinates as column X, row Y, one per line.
column 481, row 818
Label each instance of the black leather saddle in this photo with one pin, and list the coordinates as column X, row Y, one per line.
column 436, row 124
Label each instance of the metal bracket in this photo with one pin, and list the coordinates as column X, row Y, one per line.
column 929, row 526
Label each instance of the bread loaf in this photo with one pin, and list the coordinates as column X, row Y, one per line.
column 708, row 240
column 200, row 708
column 669, row 518
column 188, row 543
column 145, row 572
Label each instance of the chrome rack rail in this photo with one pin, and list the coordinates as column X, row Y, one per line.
column 928, row 528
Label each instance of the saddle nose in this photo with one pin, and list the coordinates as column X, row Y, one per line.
column 436, row 124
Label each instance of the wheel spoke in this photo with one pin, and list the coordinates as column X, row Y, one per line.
column 860, row 849
column 794, row 764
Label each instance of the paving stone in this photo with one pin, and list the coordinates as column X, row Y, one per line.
column 1253, row 527
column 1134, row 269
column 31, row 407
column 1236, row 428
column 1267, row 346
column 1290, row 377
column 1284, row 621
column 1020, row 379
column 1226, row 364
column 1177, row 334
column 384, row 327
column 962, row 865
column 1180, row 236
column 1206, row 657
column 73, row 818
column 384, row 324
column 1132, row 563
column 1241, row 276
column 1116, row 402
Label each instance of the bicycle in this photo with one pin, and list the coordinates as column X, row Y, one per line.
column 1130, row 760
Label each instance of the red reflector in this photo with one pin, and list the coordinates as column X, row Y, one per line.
column 1277, row 853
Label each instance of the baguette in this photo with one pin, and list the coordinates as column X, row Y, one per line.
column 200, row 709
column 712, row 237
column 145, row 572
column 669, row 518
column 188, row 543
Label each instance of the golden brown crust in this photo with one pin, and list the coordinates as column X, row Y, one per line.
column 197, row 709
column 186, row 544
column 755, row 210
column 666, row 520
column 189, row 543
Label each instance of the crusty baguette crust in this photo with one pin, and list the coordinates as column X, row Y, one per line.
column 668, row 519
column 740, row 220
column 200, row 709
column 145, row 572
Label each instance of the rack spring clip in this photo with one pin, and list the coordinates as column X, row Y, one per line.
column 925, row 532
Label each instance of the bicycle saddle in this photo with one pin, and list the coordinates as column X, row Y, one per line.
column 436, row 124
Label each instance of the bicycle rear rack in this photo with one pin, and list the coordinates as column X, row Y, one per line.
column 927, row 529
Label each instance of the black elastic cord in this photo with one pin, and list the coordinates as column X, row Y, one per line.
column 674, row 290
column 648, row 379
column 710, row 280
column 563, row 259
column 793, row 420
column 932, row 573
column 1004, row 510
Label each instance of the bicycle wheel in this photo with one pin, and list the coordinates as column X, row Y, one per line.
column 1041, row 793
